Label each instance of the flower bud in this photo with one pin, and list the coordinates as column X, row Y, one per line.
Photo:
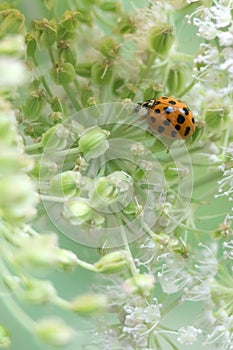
column 141, row 284
column 5, row 338
column 18, row 198
column 113, row 262
column 12, row 21
column 88, row 304
column 37, row 292
column 77, row 211
column 43, row 252
column 66, row 184
column 63, row 73
column 70, row 21
column 111, row 189
column 161, row 39
column 108, row 47
column 34, row 105
column 177, row 78
column 84, row 69
column 104, row 193
column 101, row 73
column 55, row 138
column 216, row 118
column 31, row 44
column 54, row 332
column 93, row 142
column 45, row 31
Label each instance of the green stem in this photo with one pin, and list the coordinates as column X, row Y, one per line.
column 33, row 146
column 87, row 266
column 72, row 97
column 44, row 82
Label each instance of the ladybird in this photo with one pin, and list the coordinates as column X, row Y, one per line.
column 169, row 117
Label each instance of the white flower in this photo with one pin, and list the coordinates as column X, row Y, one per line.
column 221, row 15
column 173, row 276
column 221, row 336
column 188, row 335
column 225, row 38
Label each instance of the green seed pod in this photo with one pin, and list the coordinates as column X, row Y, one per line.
column 89, row 304
column 55, row 118
column 66, row 52
column 85, row 16
column 84, row 69
column 70, row 21
column 104, row 193
column 177, row 78
column 12, row 21
column 117, row 85
column 101, row 73
column 113, row 262
column 86, row 94
column 31, row 44
column 66, row 184
column 141, row 284
column 93, row 142
column 126, row 25
column 34, row 130
column 161, row 39
column 108, row 47
column 34, row 104
column 56, row 104
column 63, row 73
column 216, row 118
column 45, row 31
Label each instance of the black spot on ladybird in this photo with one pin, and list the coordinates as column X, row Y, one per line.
column 164, row 98
column 177, row 127
column 153, row 119
column 172, row 102
column 157, row 110
column 173, row 133
column 166, row 122
column 161, row 129
column 168, row 110
column 186, row 111
column 193, row 120
column 187, row 130
column 180, row 119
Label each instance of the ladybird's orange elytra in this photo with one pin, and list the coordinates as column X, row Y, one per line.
column 169, row 117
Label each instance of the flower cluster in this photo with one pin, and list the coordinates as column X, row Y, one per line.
column 138, row 211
